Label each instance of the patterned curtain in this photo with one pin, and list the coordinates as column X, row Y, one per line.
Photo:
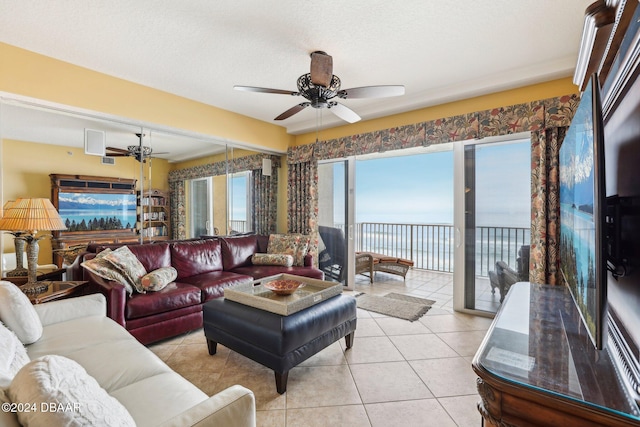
column 264, row 201
column 302, row 215
column 545, row 205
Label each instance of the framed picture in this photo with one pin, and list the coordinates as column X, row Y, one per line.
column 97, row 211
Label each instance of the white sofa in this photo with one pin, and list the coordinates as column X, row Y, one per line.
column 152, row 393
column 9, row 263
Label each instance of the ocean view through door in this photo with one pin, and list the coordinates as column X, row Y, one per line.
column 497, row 220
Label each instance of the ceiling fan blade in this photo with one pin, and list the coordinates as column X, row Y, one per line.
column 118, row 154
column 321, row 68
column 345, row 113
column 265, row 90
column 293, row 110
column 371, row 92
column 117, row 150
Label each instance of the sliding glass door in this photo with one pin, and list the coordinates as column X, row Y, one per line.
column 200, row 207
column 493, row 217
column 336, row 220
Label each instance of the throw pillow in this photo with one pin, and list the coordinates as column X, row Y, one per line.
column 129, row 265
column 64, row 385
column 17, row 312
column 295, row 245
column 158, row 279
column 272, row 259
column 103, row 268
column 13, row 356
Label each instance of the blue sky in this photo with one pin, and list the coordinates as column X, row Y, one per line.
column 407, row 189
column 419, row 189
column 239, row 197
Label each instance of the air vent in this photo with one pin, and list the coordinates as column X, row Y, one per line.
column 108, row 160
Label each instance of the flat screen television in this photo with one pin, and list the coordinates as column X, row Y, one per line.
column 582, row 212
column 97, row 211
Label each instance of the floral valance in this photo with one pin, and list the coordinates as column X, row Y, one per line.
column 530, row 116
column 239, row 164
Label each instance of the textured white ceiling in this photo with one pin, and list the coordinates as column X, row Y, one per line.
column 440, row 50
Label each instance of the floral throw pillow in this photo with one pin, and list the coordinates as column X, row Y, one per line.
column 103, row 268
column 158, row 279
column 272, row 259
column 129, row 265
column 295, row 245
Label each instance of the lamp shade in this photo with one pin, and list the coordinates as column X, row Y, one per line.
column 31, row 214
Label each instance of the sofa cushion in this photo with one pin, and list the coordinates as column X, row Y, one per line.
column 104, row 349
column 158, row 279
column 237, row 251
column 18, row 314
column 103, row 268
column 284, row 260
column 174, row 296
column 196, row 257
column 75, row 397
column 295, row 245
column 13, row 356
column 263, row 243
column 213, row 284
column 152, row 255
column 128, row 264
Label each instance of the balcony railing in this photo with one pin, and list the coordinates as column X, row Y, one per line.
column 431, row 246
column 238, row 226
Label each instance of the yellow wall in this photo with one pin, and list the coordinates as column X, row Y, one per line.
column 26, row 167
column 220, row 203
column 29, row 74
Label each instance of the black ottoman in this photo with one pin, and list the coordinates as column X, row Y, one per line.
column 275, row 341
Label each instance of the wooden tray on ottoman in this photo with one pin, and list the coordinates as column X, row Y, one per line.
column 256, row 295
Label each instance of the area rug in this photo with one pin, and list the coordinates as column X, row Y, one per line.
column 395, row 305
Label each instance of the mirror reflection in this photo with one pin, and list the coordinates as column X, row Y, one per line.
column 206, row 184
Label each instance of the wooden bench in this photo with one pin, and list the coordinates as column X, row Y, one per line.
column 369, row 262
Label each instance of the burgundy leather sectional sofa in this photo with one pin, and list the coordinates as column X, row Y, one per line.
column 205, row 268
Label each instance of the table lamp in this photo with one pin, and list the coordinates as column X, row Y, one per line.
column 32, row 215
column 19, row 248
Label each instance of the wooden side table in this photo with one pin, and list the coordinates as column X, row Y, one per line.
column 56, row 290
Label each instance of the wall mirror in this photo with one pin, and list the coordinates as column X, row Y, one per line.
column 38, row 139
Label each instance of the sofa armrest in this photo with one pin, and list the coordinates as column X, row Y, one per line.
column 114, row 292
column 71, row 308
column 233, row 407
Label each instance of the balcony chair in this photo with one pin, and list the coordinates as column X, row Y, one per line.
column 333, row 258
column 504, row 276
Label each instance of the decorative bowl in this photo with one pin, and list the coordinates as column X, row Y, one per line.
column 283, row 286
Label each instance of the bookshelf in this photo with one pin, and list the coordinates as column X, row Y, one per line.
column 153, row 215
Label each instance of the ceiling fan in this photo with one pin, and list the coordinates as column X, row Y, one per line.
column 320, row 87
column 140, row 152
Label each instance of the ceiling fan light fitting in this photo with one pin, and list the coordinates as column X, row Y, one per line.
column 137, row 149
column 311, row 91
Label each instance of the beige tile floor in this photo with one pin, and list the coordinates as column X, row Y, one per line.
column 398, row 373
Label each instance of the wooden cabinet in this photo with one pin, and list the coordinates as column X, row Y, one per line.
column 153, row 220
column 96, row 209
column 535, row 368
